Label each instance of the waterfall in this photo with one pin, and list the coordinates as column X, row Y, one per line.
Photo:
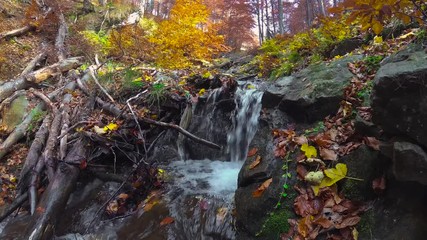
column 245, row 122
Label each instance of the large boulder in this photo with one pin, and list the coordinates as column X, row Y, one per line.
column 409, row 162
column 314, row 92
column 399, row 98
column 257, row 217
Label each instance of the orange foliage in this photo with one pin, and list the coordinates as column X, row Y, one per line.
column 186, row 36
column 374, row 14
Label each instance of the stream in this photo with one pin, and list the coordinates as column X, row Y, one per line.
column 198, row 196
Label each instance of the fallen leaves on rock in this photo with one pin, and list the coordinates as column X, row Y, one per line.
column 252, row 152
column 255, row 163
column 167, row 221
column 260, row 190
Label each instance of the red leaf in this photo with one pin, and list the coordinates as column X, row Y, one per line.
column 166, row 221
column 255, row 163
column 260, row 190
column 252, row 152
column 83, row 164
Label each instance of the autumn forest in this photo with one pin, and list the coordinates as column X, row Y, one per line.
column 213, row 119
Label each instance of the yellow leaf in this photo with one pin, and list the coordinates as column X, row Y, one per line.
column 333, row 175
column 377, row 27
column 111, row 127
column 309, row 151
column 378, row 40
column 250, row 86
column 181, row 83
column 337, row 173
column 202, row 92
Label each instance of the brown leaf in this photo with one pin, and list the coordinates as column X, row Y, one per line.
column 348, row 222
column 252, row 152
column 255, row 163
column 324, row 222
column 328, row 154
column 260, row 190
column 166, row 221
column 301, row 140
column 372, row 142
column 302, row 171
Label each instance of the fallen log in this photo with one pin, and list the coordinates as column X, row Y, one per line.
column 55, row 197
column 15, row 205
column 17, row 32
column 33, row 154
column 38, row 76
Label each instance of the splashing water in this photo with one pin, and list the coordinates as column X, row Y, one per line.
column 245, row 123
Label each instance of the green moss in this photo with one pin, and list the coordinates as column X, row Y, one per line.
column 366, row 225
column 275, row 224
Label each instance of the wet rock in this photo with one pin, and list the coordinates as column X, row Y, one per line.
column 167, row 150
column 346, row 46
column 313, row 93
column 399, row 98
column 362, row 163
column 409, row 162
column 253, row 213
column 400, row 214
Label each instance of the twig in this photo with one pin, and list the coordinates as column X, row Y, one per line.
column 15, row 205
column 92, row 73
column 72, row 127
column 45, row 99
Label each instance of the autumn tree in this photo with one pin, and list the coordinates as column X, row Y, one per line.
column 237, row 23
column 186, row 36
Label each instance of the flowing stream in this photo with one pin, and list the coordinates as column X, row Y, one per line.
column 199, row 194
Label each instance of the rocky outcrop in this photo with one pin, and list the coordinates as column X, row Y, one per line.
column 399, row 104
column 409, row 162
column 399, row 99
column 313, row 93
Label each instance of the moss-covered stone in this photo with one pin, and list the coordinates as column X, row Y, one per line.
column 276, row 223
column 366, row 225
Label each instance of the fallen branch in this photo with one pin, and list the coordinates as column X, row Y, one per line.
column 20, row 130
column 34, row 154
column 33, row 63
column 60, row 38
column 17, row 32
column 15, row 205
column 92, row 73
column 48, row 154
column 55, row 197
column 38, row 76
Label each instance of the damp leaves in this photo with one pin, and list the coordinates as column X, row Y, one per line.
column 252, row 152
column 255, row 163
column 260, row 190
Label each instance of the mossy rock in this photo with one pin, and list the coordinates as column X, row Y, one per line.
column 12, row 116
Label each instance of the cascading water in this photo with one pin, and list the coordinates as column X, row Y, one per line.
column 199, row 194
column 245, row 123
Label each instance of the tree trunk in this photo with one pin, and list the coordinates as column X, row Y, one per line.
column 281, row 18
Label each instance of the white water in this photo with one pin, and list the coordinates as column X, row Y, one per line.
column 206, row 177
column 245, row 123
